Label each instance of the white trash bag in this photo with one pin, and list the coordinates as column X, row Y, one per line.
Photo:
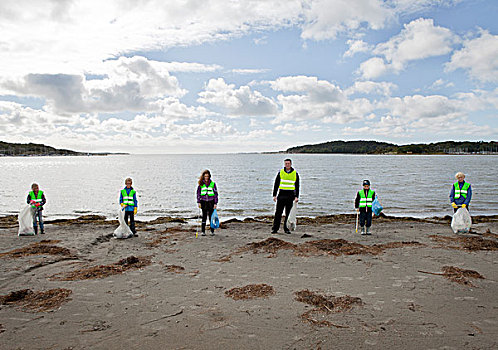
column 123, row 231
column 291, row 220
column 461, row 221
column 25, row 219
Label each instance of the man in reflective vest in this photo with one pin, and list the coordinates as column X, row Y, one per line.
column 461, row 193
column 363, row 205
column 287, row 186
column 37, row 200
column 128, row 200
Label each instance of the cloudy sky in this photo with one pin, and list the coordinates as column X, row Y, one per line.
column 201, row 76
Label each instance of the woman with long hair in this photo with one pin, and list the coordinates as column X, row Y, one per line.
column 207, row 198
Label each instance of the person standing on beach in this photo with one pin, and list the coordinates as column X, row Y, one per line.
column 128, row 200
column 461, row 193
column 207, row 199
column 287, row 186
column 363, row 205
column 37, row 200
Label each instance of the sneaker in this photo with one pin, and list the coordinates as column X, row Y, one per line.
column 42, row 232
column 368, row 231
column 363, row 231
column 274, row 232
column 203, row 234
column 212, row 233
column 288, row 232
column 135, row 234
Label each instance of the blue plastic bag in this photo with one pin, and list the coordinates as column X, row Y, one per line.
column 215, row 221
column 376, row 207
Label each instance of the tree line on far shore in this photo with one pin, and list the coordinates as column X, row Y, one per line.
column 36, row 149
column 374, row 147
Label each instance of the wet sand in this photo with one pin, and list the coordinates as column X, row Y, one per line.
column 321, row 287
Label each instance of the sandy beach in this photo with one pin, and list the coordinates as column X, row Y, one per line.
column 413, row 284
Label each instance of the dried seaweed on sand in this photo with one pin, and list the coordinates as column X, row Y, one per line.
column 458, row 275
column 45, row 247
column 34, row 301
column 465, row 243
column 175, row 268
column 102, row 271
column 250, row 291
column 325, row 305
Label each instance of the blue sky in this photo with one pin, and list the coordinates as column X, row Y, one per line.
column 219, row 76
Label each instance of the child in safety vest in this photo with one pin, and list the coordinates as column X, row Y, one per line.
column 207, row 198
column 363, row 205
column 37, row 200
column 128, row 200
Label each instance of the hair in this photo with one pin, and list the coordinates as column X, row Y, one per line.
column 288, row 160
column 34, row 185
column 128, row 178
column 457, row 175
column 201, row 178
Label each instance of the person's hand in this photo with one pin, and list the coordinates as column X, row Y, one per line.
column 123, row 205
column 464, row 205
column 37, row 204
column 357, row 210
column 215, row 206
column 135, row 210
column 199, row 205
column 296, row 199
column 274, row 198
column 454, row 205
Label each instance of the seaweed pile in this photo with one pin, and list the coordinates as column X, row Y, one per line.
column 458, row 275
column 250, row 291
column 325, row 305
column 102, row 271
column 45, row 247
column 33, row 301
column 468, row 243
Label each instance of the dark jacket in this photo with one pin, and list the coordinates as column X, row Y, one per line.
column 286, row 193
column 206, row 197
column 357, row 201
column 461, row 200
column 44, row 200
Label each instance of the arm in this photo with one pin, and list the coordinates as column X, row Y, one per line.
column 28, row 200
column 135, row 200
column 357, row 201
column 452, row 194
column 469, row 196
column 215, row 190
column 296, row 193
column 276, row 185
column 198, row 194
column 120, row 197
column 44, row 200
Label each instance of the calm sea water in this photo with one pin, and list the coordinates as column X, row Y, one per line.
column 166, row 184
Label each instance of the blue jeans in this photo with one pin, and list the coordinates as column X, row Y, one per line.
column 38, row 214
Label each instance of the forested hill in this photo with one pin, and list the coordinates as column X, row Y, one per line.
column 34, row 149
column 374, row 147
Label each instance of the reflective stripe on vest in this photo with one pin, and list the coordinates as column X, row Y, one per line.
column 366, row 201
column 207, row 190
column 128, row 198
column 37, row 199
column 287, row 180
column 462, row 191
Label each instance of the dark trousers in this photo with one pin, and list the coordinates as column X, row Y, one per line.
column 365, row 216
column 207, row 210
column 285, row 202
column 38, row 214
column 131, row 215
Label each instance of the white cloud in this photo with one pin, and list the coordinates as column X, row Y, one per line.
column 418, row 40
column 128, row 84
column 371, row 87
column 356, row 46
column 236, row 102
column 317, row 100
column 325, row 19
column 249, row 71
column 479, row 56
